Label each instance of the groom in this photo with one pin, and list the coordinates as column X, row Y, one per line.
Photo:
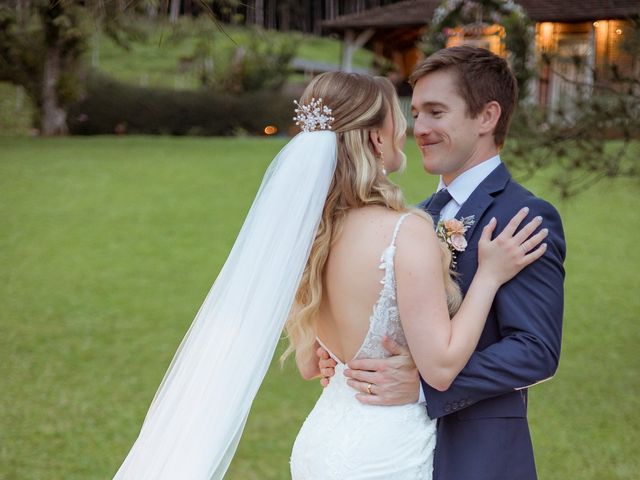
column 463, row 99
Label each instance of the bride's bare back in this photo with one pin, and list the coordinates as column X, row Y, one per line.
column 366, row 443
column 352, row 279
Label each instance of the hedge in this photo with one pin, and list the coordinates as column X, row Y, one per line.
column 112, row 107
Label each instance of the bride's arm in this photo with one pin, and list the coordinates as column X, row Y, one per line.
column 440, row 345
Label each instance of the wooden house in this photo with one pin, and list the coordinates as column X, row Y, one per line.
column 590, row 31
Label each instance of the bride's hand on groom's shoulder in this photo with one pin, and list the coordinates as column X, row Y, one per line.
column 327, row 366
column 388, row 381
column 502, row 258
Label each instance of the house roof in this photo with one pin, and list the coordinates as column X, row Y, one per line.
column 419, row 12
column 401, row 14
column 579, row 10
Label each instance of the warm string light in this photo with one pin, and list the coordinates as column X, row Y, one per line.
column 546, row 35
column 596, row 24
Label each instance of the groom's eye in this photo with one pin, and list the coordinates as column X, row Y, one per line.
column 436, row 113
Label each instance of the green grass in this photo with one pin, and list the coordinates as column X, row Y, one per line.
column 109, row 245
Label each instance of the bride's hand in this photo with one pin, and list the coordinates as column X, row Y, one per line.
column 502, row 258
column 326, row 365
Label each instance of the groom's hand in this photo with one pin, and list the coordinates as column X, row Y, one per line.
column 389, row 381
column 327, row 366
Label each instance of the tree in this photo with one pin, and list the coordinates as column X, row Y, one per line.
column 42, row 52
column 174, row 11
column 475, row 16
column 42, row 46
column 593, row 135
column 259, row 62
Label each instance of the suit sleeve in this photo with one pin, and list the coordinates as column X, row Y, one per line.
column 529, row 310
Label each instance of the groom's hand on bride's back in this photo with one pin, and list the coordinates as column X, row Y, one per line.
column 387, row 381
column 327, row 365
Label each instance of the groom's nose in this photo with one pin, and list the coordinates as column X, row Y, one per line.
column 421, row 128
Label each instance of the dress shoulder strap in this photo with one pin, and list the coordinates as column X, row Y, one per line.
column 397, row 229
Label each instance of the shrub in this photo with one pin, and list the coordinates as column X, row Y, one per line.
column 254, row 60
column 114, row 107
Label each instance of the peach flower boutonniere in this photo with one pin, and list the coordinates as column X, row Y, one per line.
column 451, row 233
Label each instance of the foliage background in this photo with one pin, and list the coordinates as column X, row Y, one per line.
column 110, row 244
column 151, row 58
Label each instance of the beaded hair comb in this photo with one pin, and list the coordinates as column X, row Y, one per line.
column 314, row 116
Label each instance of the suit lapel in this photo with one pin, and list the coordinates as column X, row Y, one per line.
column 483, row 196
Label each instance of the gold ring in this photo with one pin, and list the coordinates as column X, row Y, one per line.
column 369, row 389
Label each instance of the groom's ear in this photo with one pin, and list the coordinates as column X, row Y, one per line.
column 489, row 117
column 376, row 141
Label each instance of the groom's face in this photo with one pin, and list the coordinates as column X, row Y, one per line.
column 446, row 135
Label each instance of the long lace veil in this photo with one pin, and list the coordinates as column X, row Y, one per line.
column 196, row 418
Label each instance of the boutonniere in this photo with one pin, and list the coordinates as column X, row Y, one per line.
column 451, row 232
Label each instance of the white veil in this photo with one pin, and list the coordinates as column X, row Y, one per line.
column 196, row 419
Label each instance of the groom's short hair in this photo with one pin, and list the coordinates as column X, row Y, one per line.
column 482, row 77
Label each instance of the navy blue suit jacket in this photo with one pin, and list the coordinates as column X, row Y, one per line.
column 482, row 418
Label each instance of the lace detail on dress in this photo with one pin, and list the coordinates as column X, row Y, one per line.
column 385, row 319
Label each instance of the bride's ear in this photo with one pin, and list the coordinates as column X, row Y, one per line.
column 376, row 142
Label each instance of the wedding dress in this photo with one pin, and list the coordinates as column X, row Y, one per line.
column 343, row 439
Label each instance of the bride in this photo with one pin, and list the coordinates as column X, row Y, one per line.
column 329, row 247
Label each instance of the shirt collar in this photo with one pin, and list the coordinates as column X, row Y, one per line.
column 465, row 183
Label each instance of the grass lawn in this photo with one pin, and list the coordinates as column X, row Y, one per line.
column 109, row 245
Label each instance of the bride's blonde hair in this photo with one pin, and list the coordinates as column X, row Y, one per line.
column 359, row 104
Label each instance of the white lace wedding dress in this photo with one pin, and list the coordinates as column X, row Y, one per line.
column 342, row 439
